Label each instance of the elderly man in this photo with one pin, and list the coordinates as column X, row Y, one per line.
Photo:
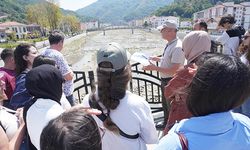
column 171, row 60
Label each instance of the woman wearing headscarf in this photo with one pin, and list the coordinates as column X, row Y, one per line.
column 44, row 83
column 194, row 45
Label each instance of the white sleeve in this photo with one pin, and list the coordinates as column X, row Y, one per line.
column 9, row 123
column 85, row 101
column 223, row 38
column 148, row 130
column 64, row 102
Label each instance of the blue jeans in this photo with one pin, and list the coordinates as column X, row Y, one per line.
column 71, row 99
column 244, row 108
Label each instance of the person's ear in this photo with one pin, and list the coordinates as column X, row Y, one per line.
column 25, row 57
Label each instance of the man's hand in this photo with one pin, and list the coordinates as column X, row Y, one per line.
column 155, row 58
column 149, row 67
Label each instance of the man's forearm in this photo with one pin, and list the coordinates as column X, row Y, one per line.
column 170, row 71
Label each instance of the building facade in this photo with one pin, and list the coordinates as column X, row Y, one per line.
column 212, row 15
column 155, row 21
column 19, row 28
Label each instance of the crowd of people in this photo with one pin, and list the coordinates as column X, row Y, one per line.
column 205, row 96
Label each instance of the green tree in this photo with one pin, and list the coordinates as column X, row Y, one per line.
column 53, row 14
column 70, row 24
column 46, row 14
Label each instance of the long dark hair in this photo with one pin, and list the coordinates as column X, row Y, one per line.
column 220, row 84
column 112, row 88
column 21, row 50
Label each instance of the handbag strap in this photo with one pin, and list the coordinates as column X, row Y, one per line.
column 103, row 117
column 183, row 140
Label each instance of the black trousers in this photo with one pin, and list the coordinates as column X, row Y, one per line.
column 165, row 102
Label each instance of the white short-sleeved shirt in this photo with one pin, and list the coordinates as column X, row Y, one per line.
column 132, row 116
column 173, row 54
column 39, row 115
column 230, row 44
column 9, row 123
column 64, row 68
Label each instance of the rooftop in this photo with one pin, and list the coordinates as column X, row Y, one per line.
column 7, row 24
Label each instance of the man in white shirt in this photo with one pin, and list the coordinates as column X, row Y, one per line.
column 56, row 40
column 230, row 39
column 171, row 60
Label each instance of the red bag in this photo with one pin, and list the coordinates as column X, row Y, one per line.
column 176, row 92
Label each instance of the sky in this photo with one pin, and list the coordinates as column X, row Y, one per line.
column 75, row 4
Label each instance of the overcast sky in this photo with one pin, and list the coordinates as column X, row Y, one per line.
column 75, row 4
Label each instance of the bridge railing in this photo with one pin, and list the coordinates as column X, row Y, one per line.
column 144, row 83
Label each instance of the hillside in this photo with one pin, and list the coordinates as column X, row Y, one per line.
column 121, row 10
column 186, row 8
column 15, row 9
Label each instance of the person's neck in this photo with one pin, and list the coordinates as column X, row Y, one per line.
column 29, row 67
column 9, row 67
column 55, row 47
column 171, row 39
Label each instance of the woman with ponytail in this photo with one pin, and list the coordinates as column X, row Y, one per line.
column 126, row 121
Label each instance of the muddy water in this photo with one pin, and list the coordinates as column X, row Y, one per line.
column 81, row 51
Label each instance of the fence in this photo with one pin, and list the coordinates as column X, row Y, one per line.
column 144, row 83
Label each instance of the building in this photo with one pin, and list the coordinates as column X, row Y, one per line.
column 93, row 25
column 185, row 24
column 19, row 28
column 136, row 23
column 212, row 15
column 3, row 36
column 155, row 21
column 34, row 29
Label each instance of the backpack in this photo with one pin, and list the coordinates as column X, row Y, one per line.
column 236, row 31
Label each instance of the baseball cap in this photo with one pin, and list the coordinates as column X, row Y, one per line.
column 115, row 54
column 169, row 24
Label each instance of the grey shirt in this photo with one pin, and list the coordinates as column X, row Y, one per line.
column 173, row 54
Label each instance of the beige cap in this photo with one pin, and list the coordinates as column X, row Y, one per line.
column 170, row 24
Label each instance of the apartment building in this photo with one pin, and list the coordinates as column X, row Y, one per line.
column 212, row 15
column 155, row 21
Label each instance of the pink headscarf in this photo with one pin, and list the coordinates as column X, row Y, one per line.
column 195, row 43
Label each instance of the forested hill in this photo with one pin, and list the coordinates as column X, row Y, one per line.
column 16, row 9
column 186, row 8
column 121, row 10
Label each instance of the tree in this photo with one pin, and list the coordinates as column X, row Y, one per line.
column 53, row 14
column 70, row 24
column 46, row 14
column 35, row 14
